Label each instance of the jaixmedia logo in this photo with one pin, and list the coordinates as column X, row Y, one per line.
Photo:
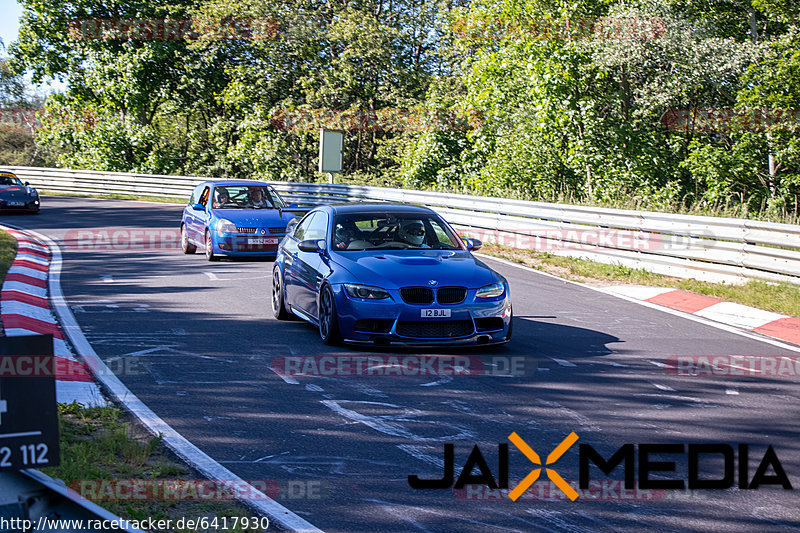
column 696, row 466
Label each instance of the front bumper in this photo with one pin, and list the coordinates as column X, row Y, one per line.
column 28, row 207
column 394, row 322
column 241, row 244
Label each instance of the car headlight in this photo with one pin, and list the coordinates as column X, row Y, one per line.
column 225, row 226
column 365, row 292
column 491, row 291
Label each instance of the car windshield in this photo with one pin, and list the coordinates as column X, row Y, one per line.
column 246, row 197
column 7, row 180
column 401, row 231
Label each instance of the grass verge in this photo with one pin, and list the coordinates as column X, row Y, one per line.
column 777, row 297
column 100, row 448
column 8, row 251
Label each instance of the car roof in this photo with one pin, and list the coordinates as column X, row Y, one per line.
column 380, row 207
column 236, row 182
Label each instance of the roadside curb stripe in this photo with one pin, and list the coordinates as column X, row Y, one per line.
column 775, row 325
column 36, row 253
column 739, row 315
column 30, row 264
column 31, row 324
column 25, row 309
column 31, row 246
column 22, row 256
column 22, row 278
column 25, row 271
column 18, row 286
column 684, row 301
column 12, row 307
column 24, row 297
column 787, row 329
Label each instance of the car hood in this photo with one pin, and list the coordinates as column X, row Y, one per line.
column 392, row 269
column 255, row 217
column 12, row 192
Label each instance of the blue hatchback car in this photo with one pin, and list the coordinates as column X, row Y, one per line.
column 388, row 274
column 234, row 218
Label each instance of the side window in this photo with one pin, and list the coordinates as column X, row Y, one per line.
column 443, row 239
column 204, row 197
column 302, row 228
column 277, row 201
column 195, row 195
column 318, row 229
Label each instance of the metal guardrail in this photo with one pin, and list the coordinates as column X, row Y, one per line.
column 31, row 500
column 708, row 248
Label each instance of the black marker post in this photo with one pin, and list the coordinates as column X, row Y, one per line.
column 28, row 410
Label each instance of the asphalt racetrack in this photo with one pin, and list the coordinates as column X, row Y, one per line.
column 196, row 342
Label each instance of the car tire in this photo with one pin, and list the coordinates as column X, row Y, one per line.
column 186, row 246
column 210, row 248
column 278, row 305
column 328, row 322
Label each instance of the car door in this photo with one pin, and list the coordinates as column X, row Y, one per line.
column 189, row 216
column 311, row 267
column 199, row 217
column 291, row 268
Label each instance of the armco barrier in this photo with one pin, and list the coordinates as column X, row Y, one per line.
column 708, row 248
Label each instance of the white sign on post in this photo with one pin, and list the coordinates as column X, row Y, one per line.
column 330, row 152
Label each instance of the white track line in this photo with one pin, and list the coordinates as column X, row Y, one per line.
column 562, row 362
column 177, row 442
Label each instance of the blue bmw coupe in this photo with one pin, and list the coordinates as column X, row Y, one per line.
column 388, row 274
column 235, row 218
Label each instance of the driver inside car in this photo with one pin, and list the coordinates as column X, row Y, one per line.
column 412, row 232
column 222, row 197
column 257, row 198
column 346, row 232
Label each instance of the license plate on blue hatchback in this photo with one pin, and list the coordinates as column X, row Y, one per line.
column 265, row 240
column 435, row 313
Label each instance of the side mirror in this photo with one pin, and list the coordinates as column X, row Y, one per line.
column 27, row 183
column 473, row 245
column 293, row 205
column 312, row 245
column 198, row 207
column 290, row 226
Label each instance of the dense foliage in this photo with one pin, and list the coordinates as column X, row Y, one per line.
column 572, row 104
column 17, row 120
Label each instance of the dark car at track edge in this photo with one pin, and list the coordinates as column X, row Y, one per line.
column 15, row 196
